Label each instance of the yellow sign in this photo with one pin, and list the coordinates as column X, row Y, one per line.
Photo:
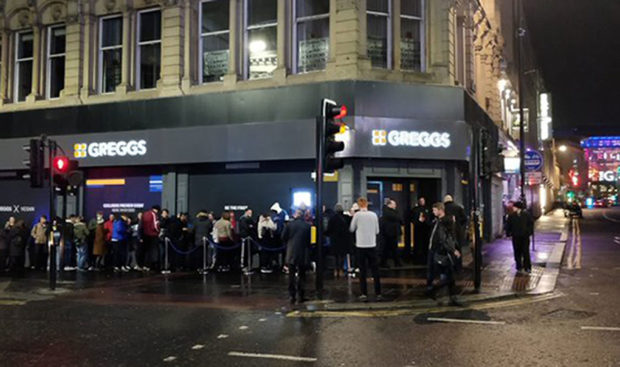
column 313, row 235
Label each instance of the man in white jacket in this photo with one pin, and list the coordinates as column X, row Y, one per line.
column 365, row 224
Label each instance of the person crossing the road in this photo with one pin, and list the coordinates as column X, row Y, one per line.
column 365, row 225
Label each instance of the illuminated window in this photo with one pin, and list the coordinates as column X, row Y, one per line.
column 214, row 40
column 55, row 61
column 311, row 35
column 23, row 65
column 379, row 35
column 302, row 198
column 261, row 23
column 149, row 48
column 412, row 35
column 110, row 53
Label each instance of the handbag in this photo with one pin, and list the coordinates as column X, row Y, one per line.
column 443, row 260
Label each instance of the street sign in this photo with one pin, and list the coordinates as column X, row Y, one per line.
column 533, row 160
column 533, row 178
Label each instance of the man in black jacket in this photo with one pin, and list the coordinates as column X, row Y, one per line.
column 390, row 233
column 520, row 226
column 247, row 225
column 445, row 253
column 458, row 216
column 422, row 220
column 296, row 236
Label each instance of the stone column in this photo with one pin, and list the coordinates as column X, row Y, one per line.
column 88, row 54
column 172, row 48
column 231, row 78
column 127, row 82
column 347, row 37
column 4, row 71
column 279, row 75
column 190, row 45
column 38, row 55
column 74, row 63
column 396, row 6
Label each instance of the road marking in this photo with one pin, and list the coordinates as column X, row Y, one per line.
column 600, row 328
column 610, row 219
column 243, row 327
column 222, row 336
column 170, row 359
column 412, row 312
column 198, row 347
column 262, row 320
column 465, row 321
column 11, row 302
column 594, row 293
column 272, row 356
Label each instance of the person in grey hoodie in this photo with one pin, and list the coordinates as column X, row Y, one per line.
column 365, row 225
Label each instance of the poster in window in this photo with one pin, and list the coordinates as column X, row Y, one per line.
column 215, row 62
column 410, row 54
column 313, row 54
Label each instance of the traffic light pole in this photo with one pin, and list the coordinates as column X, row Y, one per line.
column 320, row 154
column 52, row 213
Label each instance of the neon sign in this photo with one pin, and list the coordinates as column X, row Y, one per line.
column 423, row 139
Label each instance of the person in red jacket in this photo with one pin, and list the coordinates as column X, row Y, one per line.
column 149, row 253
column 108, row 228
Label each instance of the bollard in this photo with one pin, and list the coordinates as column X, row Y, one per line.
column 204, row 269
column 248, row 269
column 166, row 264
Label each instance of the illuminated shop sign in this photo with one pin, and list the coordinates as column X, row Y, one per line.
column 397, row 138
column 110, row 149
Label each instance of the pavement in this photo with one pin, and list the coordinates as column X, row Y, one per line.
column 403, row 288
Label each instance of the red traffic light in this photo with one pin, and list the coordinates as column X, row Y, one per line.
column 61, row 164
column 342, row 113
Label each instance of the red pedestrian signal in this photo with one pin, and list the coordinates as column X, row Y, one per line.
column 61, row 164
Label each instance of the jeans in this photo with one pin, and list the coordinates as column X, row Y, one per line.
column 368, row 257
column 68, row 254
column 82, row 255
column 119, row 253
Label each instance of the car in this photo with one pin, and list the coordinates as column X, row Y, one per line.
column 602, row 203
column 573, row 210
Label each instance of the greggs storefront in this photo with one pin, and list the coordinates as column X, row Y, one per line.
column 208, row 152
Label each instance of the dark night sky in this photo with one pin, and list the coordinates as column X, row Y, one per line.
column 577, row 43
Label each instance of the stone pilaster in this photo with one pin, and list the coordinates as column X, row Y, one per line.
column 172, row 47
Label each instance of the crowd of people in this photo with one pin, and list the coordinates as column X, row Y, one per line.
column 356, row 240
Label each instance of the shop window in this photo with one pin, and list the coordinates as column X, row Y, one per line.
column 55, row 61
column 110, row 53
column 214, row 39
column 149, row 48
column 311, row 35
column 379, row 35
column 23, row 65
column 261, row 26
column 412, row 35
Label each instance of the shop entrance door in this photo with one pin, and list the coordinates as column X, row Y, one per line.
column 405, row 191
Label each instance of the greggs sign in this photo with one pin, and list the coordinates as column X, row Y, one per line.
column 110, row 149
column 397, row 138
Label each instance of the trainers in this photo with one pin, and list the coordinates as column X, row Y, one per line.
column 125, row 269
column 90, row 268
column 363, row 298
column 116, row 269
column 265, row 271
column 379, row 298
column 137, row 268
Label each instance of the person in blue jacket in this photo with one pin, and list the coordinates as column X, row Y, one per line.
column 120, row 235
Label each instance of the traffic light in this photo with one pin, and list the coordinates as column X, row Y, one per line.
column 66, row 173
column 35, row 162
column 333, row 113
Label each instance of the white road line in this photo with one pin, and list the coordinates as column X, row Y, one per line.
column 465, row 321
column 222, row 336
column 170, row 359
column 262, row 320
column 610, row 219
column 272, row 356
column 600, row 328
column 198, row 347
column 243, row 327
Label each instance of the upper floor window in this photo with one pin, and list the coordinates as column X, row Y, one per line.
column 412, row 35
column 379, row 34
column 261, row 46
column 148, row 54
column 23, row 65
column 311, row 35
column 55, row 61
column 214, row 39
column 110, row 53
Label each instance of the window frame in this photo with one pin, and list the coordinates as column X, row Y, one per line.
column 246, row 37
column 17, row 61
column 422, row 20
column 389, row 31
column 296, row 21
column 201, row 35
column 140, row 44
column 101, row 49
column 49, row 57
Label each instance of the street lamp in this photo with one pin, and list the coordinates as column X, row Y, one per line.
column 562, row 148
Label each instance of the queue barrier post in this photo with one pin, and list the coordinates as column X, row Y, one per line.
column 166, row 263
